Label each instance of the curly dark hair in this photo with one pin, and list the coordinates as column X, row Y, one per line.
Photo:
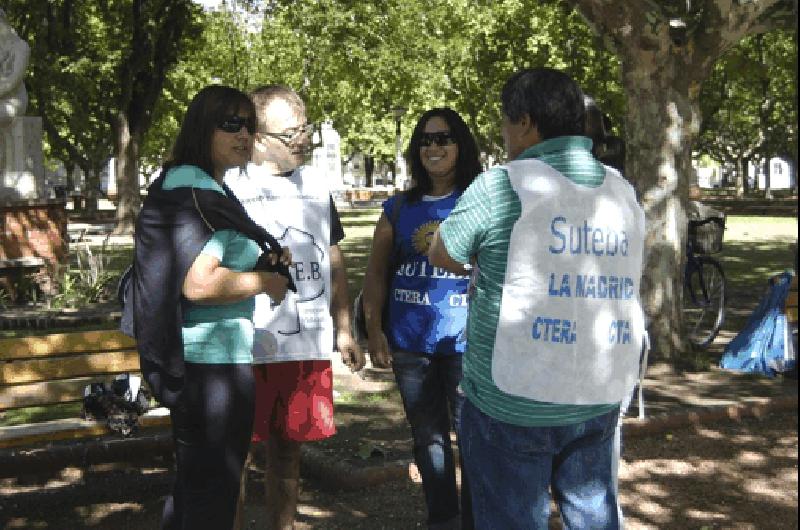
column 209, row 107
column 468, row 165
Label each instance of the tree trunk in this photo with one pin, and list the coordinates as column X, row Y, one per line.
column 369, row 169
column 127, row 172
column 667, row 51
column 660, row 125
column 767, row 178
column 741, row 178
column 91, row 191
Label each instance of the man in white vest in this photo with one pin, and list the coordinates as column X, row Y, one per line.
column 295, row 340
column 555, row 325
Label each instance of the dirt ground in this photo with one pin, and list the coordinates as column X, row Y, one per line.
column 722, row 475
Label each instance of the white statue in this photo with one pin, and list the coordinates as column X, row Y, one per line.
column 14, row 54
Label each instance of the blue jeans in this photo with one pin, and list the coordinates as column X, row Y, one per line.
column 512, row 467
column 433, row 401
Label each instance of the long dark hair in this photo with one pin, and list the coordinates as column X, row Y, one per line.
column 468, row 164
column 207, row 110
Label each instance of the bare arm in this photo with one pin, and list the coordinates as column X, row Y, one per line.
column 375, row 291
column 208, row 282
column 439, row 257
column 351, row 352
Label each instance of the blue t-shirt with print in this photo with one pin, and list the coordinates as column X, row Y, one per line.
column 218, row 333
column 427, row 306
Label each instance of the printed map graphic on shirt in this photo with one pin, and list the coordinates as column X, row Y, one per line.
column 307, row 257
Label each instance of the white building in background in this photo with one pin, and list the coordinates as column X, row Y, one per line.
column 327, row 158
column 709, row 177
column 782, row 175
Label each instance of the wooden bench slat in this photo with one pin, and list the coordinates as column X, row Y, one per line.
column 47, row 392
column 95, row 364
column 64, row 343
column 71, row 428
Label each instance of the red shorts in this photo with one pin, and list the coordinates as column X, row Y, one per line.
column 294, row 400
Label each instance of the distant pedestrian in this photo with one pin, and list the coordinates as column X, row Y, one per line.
column 555, row 326
column 294, row 340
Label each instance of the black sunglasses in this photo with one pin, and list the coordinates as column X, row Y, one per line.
column 234, row 124
column 439, row 138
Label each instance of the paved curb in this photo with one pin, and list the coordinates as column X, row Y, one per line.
column 339, row 475
column 635, row 427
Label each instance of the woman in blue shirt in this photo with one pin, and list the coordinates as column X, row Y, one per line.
column 212, row 409
column 416, row 314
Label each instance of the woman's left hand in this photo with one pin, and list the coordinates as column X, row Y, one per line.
column 285, row 258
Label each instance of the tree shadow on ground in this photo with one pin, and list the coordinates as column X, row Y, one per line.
column 722, row 475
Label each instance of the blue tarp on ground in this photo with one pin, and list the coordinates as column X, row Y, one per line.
column 764, row 346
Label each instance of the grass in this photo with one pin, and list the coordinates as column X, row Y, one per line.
column 755, row 249
column 359, row 226
column 352, row 398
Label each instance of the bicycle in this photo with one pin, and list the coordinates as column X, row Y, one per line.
column 703, row 309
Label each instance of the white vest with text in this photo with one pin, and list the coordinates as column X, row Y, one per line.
column 296, row 210
column 571, row 323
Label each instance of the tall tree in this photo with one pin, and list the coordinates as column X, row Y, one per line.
column 749, row 105
column 152, row 33
column 98, row 71
column 667, row 49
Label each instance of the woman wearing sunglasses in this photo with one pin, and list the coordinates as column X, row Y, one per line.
column 198, row 263
column 416, row 314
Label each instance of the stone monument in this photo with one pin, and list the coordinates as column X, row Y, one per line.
column 21, row 164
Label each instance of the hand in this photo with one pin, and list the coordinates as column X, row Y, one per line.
column 285, row 258
column 379, row 351
column 352, row 355
column 275, row 285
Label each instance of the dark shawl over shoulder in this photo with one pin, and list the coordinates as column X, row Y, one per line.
column 171, row 230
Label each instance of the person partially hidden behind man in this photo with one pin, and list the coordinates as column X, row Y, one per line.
column 555, row 326
column 294, row 341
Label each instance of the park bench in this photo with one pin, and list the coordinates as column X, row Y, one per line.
column 53, row 369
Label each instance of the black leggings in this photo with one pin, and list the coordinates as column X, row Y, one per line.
column 211, row 425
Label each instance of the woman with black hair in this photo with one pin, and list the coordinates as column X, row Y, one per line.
column 198, row 263
column 416, row 314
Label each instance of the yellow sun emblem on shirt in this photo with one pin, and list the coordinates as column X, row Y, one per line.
column 421, row 239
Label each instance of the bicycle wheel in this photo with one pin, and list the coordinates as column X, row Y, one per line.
column 703, row 300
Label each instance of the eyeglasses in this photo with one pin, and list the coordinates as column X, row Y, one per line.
column 234, row 124
column 439, row 138
column 291, row 135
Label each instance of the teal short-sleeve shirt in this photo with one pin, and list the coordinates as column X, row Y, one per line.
column 219, row 333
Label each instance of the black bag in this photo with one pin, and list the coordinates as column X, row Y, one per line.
column 119, row 403
column 359, row 319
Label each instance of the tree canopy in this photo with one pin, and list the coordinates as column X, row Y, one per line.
column 749, row 104
column 104, row 72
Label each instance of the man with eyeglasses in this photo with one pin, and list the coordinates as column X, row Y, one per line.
column 294, row 341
